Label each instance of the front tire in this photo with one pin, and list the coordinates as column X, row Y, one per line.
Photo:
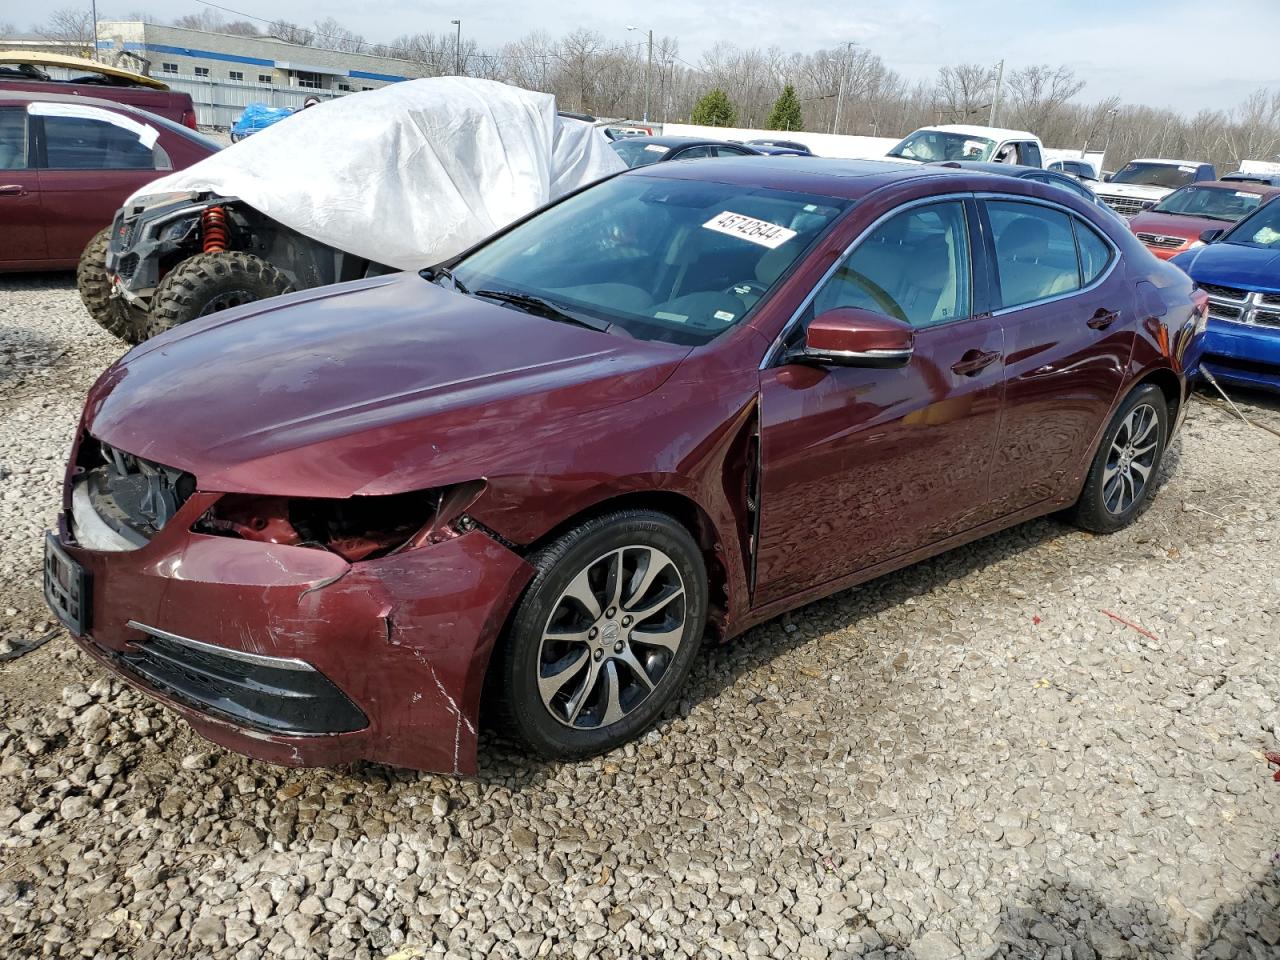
column 210, row 282
column 94, row 285
column 1126, row 465
column 605, row 634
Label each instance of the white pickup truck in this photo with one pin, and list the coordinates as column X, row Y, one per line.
column 957, row 141
column 1143, row 183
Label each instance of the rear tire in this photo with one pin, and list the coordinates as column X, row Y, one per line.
column 604, row 636
column 94, row 285
column 210, row 282
column 1126, row 464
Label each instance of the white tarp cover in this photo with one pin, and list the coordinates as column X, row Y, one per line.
column 409, row 174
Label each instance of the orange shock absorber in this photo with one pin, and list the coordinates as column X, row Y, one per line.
column 213, row 226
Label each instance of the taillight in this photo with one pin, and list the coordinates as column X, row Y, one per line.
column 189, row 119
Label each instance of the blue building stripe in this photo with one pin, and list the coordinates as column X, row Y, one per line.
column 366, row 75
column 208, row 55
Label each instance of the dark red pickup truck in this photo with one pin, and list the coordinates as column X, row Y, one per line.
column 29, row 73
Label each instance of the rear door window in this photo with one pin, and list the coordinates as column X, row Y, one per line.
column 1035, row 251
column 84, row 143
column 1029, row 154
column 13, row 138
column 1095, row 253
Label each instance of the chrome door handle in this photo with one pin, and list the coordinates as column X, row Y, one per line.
column 974, row 362
column 1103, row 318
column 13, row 190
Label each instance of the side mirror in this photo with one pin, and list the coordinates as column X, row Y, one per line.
column 1106, row 177
column 1208, row 236
column 1148, row 204
column 852, row 337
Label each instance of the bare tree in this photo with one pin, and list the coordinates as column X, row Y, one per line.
column 1037, row 95
column 72, row 26
column 963, row 92
column 332, row 35
column 292, row 33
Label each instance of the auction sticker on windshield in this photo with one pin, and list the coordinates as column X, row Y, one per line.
column 749, row 228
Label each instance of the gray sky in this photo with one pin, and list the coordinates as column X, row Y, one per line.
column 1183, row 54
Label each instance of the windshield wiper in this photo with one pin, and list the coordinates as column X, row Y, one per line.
column 436, row 274
column 543, row 308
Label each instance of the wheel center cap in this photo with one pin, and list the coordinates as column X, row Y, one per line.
column 609, row 633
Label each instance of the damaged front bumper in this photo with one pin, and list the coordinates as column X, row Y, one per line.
column 295, row 656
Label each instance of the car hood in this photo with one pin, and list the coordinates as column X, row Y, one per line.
column 375, row 386
column 1175, row 225
column 1139, row 190
column 1234, row 265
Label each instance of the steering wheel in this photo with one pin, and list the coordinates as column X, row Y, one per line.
column 746, row 287
column 879, row 295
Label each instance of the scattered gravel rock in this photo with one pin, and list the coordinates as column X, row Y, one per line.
column 964, row 759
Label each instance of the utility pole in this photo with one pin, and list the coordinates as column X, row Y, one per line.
column 94, row 6
column 995, row 97
column 844, row 73
column 457, row 49
column 648, row 72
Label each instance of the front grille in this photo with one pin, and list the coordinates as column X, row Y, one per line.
column 1221, row 311
column 126, row 266
column 1225, row 293
column 1125, row 206
column 132, row 496
column 1241, row 306
column 265, row 693
column 1268, row 318
column 1165, row 243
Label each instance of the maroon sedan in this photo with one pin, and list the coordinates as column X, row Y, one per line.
column 1174, row 225
column 683, row 400
column 67, row 163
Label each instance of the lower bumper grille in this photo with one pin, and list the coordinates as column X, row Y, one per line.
column 271, row 694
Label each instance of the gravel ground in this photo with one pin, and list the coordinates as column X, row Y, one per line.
column 968, row 758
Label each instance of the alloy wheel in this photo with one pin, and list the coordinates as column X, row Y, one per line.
column 226, row 300
column 1131, row 459
column 611, row 637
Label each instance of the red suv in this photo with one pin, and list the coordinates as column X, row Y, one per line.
column 687, row 398
column 67, row 164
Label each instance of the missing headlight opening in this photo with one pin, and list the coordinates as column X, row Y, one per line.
column 356, row 528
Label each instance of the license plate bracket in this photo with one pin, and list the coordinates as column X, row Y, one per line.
column 66, row 587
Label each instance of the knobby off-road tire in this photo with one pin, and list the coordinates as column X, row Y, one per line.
column 210, row 282
column 1126, row 464
column 604, row 636
column 95, row 291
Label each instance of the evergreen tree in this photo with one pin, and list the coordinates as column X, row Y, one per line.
column 715, row 110
column 786, row 113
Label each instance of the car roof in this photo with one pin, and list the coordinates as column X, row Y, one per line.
column 1236, row 186
column 1179, row 163
column 990, row 166
column 973, row 130
column 823, row 176
column 681, row 141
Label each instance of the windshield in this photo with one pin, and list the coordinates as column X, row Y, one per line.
column 1213, row 203
column 1171, row 175
column 638, row 153
column 930, row 145
column 674, row 260
column 1260, row 229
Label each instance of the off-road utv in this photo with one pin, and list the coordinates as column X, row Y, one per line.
column 186, row 256
column 398, row 178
